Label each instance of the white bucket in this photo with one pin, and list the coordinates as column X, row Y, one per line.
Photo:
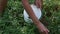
column 37, row 12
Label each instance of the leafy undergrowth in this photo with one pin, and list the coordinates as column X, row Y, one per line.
column 13, row 22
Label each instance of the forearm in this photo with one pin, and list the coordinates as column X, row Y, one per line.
column 38, row 24
column 31, row 13
column 3, row 3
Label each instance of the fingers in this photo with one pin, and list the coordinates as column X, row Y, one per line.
column 37, row 3
column 45, row 31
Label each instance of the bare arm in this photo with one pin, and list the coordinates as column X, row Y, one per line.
column 3, row 4
column 29, row 10
column 39, row 3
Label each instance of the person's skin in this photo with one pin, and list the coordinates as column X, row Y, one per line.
column 29, row 10
column 39, row 3
column 3, row 4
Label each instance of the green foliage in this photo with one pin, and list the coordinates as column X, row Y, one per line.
column 13, row 22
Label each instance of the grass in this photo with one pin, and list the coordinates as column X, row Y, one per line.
column 13, row 22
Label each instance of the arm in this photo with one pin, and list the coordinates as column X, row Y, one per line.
column 39, row 3
column 3, row 4
column 29, row 10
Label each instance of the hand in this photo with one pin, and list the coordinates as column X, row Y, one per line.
column 43, row 29
column 39, row 3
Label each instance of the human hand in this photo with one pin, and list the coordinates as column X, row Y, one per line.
column 39, row 3
column 43, row 29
